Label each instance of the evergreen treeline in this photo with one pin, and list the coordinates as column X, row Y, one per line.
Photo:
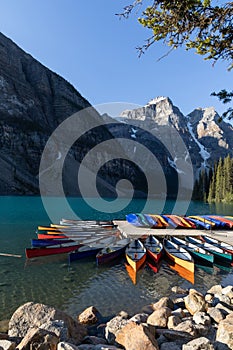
column 215, row 185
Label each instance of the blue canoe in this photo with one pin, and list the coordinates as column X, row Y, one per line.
column 38, row 243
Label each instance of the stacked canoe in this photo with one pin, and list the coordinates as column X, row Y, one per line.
column 207, row 222
column 67, row 237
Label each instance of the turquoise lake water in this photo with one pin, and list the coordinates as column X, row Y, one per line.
column 50, row 280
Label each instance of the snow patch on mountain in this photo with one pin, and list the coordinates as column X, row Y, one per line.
column 204, row 154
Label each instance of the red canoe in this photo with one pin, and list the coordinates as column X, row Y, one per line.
column 51, row 250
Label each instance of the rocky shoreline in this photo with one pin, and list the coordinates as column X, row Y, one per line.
column 187, row 320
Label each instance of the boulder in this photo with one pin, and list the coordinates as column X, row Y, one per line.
column 7, row 345
column 222, row 299
column 209, row 298
column 159, row 317
column 228, row 291
column 58, row 328
column 225, row 331
column 179, row 290
column 223, row 308
column 201, row 318
column 35, row 314
column 217, row 289
column 216, row 314
column 136, row 337
column 194, row 302
column 139, row 318
column 179, row 313
column 38, row 339
column 172, row 334
column 198, row 344
column 163, row 302
column 112, row 327
column 89, row 316
column 91, row 339
column 173, row 321
column 187, row 327
column 170, row 346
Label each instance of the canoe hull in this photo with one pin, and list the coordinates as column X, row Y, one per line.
column 153, row 257
column 136, row 264
column 106, row 258
column 38, row 252
column 188, row 265
column 77, row 255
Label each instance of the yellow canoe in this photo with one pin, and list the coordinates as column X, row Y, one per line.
column 178, row 255
column 135, row 254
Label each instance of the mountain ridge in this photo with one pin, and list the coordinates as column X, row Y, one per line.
column 34, row 101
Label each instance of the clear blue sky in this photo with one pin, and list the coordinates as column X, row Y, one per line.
column 88, row 45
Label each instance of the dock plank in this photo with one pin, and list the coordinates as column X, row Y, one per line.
column 128, row 230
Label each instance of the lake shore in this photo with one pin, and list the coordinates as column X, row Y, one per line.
column 186, row 320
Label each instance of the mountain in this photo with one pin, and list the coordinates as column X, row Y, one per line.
column 154, row 148
column 205, row 137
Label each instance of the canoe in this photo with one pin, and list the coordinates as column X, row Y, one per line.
column 136, row 254
column 133, row 220
column 201, row 218
column 178, row 255
column 112, row 251
column 37, row 243
column 219, row 224
column 90, row 248
column 50, row 236
column 51, row 250
column 200, row 224
column 86, row 222
column 219, row 254
column 83, row 252
column 178, row 221
column 224, row 219
column 154, row 248
column 161, row 222
column 223, row 245
column 199, row 254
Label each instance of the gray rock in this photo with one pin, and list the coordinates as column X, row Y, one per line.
column 223, row 308
column 89, row 316
column 170, row 346
column 159, row 317
column 216, row 314
column 201, row 318
column 198, row 344
column 173, row 321
column 163, row 302
column 225, row 331
column 66, row 346
column 34, row 315
column 58, row 328
column 136, row 337
column 217, row 289
column 179, row 313
column 112, row 327
column 194, row 302
column 187, row 327
column 227, row 290
column 139, row 318
column 7, row 345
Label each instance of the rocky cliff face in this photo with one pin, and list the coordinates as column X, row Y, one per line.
column 33, row 101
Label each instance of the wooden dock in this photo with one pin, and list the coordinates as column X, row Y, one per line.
column 128, row 230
